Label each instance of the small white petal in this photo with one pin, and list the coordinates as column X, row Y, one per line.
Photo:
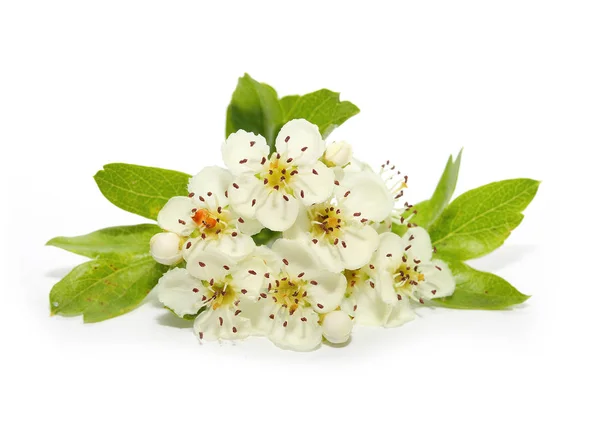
column 401, row 312
column 249, row 226
column 269, row 257
column 325, row 291
column 209, row 263
column 249, row 275
column 221, row 323
column 259, row 314
column 211, row 183
column 165, row 248
column 368, row 195
column 438, row 278
column 276, row 213
column 337, row 327
column 300, row 140
column 420, row 246
column 390, row 251
column 290, row 332
column 176, row 289
column 298, row 257
column 327, row 253
column 246, row 193
column 191, row 245
column 384, row 285
column 313, row 184
column 176, row 216
column 234, row 247
column 361, row 243
column 243, row 151
column 370, row 309
column 348, row 302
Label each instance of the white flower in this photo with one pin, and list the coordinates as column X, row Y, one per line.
column 205, row 216
column 215, row 283
column 339, row 231
column 338, row 153
column 404, row 272
column 166, row 248
column 273, row 189
column 337, row 326
column 298, row 292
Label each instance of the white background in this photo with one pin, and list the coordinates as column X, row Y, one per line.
column 517, row 84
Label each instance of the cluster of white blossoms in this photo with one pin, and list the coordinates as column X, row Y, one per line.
column 336, row 262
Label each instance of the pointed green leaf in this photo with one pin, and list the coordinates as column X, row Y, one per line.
column 104, row 288
column 139, row 189
column 480, row 290
column 254, row 108
column 322, row 107
column 131, row 239
column 429, row 210
column 480, row 220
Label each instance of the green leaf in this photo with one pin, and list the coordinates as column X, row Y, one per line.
column 480, row 220
column 104, row 288
column 265, row 236
column 254, row 108
column 287, row 103
column 480, row 290
column 429, row 210
column 322, row 107
column 139, row 189
column 130, row 239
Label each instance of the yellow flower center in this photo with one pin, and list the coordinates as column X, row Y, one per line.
column 289, row 294
column 326, row 222
column 277, row 173
column 219, row 295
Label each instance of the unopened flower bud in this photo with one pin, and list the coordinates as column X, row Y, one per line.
column 166, row 248
column 338, row 153
column 337, row 327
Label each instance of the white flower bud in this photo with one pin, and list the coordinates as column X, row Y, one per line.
column 166, row 248
column 337, row 327
column 338, row 153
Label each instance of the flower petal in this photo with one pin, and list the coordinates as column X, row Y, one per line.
column 390, row 251
column 276, row 213
column 438, row 278
column 384, row 285
column 293, row 333
column 209, row 264
column 249, row 226
column 420, row 245
column 221, row 323
column 298, row 257
column 243, row 151
column 180, row 292
column 234, row 247
column 368, row 195
column 176, row 216
column 211, row 183
column 325, row 291
column 249, row 275
column 313, row 184
column 370, row 309
column 246, row 193
column 328, row 254
column 300, row 140
column 401, row 312
column 361, row 241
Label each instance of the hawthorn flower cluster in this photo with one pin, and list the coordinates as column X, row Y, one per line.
column 333, row 262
